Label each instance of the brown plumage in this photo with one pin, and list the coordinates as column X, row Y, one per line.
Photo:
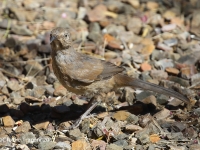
column 82, row 74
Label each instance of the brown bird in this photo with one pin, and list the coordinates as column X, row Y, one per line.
column 82, row 74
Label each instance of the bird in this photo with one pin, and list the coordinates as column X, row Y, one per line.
column 85, row 75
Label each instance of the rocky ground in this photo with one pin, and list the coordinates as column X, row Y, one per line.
column 156, row 41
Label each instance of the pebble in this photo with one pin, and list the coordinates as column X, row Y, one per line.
column 135, row 25
column 98, row 143
column 23, row 128
column 26, row 138
column 169, row 27
column 51, row 78
column 22, row 147
column 31, row 4
column 33, row 67
column 43, row 125
column 121, row 143
column 16, row 98
column 121, row 115
column 113, row 147
column 8, row 121
column 152, row 5
column 14, row 85
column 80, row 145
column 21, row 30
column 145, row 66
column 158, row 74
column 38, row 91
column 163, row 114
column 46, row 145
column 63, row 145
column 59, row 89
column 172, row 70
column 75, row 134
column 132, row 127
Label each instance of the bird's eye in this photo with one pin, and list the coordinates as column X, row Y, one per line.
column 66, row 36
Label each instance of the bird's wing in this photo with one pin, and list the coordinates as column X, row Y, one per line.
column 86, row 69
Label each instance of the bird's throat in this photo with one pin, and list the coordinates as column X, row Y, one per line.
column 57, row 45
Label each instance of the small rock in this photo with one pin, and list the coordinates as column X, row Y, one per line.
column 169, row 15
column 31, row 4
column 80, row 145
column 164, row 47
column 145, row 66
column 22, row 147
column 75, row 134
column 63, row 145
column 171, row 42
column 46, row 145
column 33, row 67
column 21, row 30
column 187, row 72
column 24, row 127
column 172, row 70
column 143, row 95
column 14, row 85
column 162, row 99
column 164, row 63
column 134, row 3
column 132, row 119
column 158, row 74
column 27, row 137
column 121, row 143
column 168, row 27
column 98, row 144
column 175, row 102
column 42, row 125
column 59, row 89
column 8, row 121
column 113, row 147
column 190, row 133
column 51, row 78
column 95, row 37
column 16, row 98
column 194, row 147
column 135, row 25
column 40, row 80
column 94, row 27
column 94, row 14
column 150, row 100
column 38, row 91
column 181, row 81
column 133, row 128
column 50, row 90
column 121, row 115
column 163, row 114
column 152, row 5
column 179, row 126
column 5, row 141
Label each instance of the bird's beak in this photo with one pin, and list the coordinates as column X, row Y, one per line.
column 52, row 38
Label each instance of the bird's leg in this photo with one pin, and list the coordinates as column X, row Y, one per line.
column 85, row 114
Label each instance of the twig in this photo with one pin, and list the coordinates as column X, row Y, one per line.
column 10, row 74
column 39, row 60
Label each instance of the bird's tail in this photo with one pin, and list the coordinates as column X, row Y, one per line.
column 123, row 80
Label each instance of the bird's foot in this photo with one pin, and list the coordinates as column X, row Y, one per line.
column 83, row 116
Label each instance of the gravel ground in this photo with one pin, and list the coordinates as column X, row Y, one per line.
column 157, row 41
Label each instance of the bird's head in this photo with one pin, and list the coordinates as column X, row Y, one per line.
column 60, row 38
